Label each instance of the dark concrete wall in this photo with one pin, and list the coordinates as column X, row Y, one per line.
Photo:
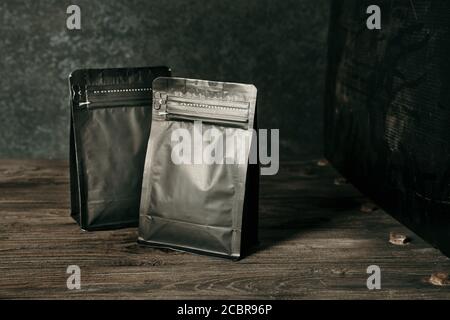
column 280, row 46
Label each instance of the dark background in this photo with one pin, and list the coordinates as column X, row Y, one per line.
column 280, row 46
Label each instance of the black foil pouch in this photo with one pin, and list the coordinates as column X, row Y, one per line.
column 200, row 194
column 109, row 128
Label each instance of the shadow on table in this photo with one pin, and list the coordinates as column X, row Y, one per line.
column 302, row 199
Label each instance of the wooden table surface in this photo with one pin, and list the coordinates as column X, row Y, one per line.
column 316, row 243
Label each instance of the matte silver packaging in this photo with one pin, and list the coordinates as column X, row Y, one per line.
column 109, row 128
column 203, row 208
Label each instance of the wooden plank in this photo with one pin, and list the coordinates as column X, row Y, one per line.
column 315, row 244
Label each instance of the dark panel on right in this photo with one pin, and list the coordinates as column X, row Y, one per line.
column 387, row 114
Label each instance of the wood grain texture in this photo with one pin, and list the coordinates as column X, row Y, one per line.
column 315, row 244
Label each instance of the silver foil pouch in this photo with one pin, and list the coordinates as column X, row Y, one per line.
column 199, row 193
column 111, row 113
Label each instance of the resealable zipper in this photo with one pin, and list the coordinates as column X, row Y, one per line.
column 100, row 97
column 207, row 110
